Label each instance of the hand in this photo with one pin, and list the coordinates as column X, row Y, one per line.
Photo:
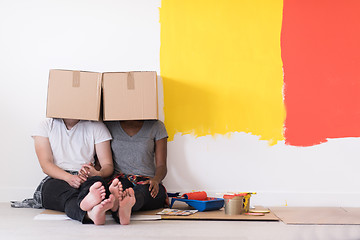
column 83, row 173
column 75, row 180
column 89, row 170
column 153, row 188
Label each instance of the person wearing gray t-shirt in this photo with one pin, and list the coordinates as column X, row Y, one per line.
column 139, row 150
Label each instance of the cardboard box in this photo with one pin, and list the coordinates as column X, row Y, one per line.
column 74, row 95
column 130, row 96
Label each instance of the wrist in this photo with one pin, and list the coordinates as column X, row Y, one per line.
column 67, row 177
column 99, row 173
column 157, row 180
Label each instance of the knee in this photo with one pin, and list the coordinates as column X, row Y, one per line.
column 53, row 183
column 144, row 189
column 162, row 193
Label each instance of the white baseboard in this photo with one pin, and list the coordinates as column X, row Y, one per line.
column 16, row 194
column 305, row 199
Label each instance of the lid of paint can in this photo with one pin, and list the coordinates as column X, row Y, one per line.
column 231, row 196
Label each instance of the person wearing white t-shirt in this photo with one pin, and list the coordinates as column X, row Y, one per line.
column 66, row 149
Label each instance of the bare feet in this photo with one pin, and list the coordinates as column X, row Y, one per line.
column 127, row 201
column 116, row 189
column 94, row 197
column 98, row 213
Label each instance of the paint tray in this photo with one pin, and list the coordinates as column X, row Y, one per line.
column 201, row 205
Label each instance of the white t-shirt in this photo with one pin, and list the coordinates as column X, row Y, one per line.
column 75, row 147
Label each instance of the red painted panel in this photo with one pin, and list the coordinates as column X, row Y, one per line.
column 320, row 43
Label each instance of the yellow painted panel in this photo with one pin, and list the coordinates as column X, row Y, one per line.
column 221, row 66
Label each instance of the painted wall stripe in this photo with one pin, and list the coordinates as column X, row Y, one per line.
column 321, row 55
column 221, row 67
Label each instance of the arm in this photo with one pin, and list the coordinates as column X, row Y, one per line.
column 46, row 160
column 161, row 167
column 103, row 152
column 160, row 159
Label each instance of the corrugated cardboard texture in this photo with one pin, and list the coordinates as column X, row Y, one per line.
column 130, row 96
column 207, row 215
column 212, row 215
column 318, row 215
column 74, row 95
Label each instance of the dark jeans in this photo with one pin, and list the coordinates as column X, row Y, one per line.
column 144, row 201
column 60, row 196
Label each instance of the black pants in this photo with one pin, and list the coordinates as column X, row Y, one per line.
column 144, row 201
column 60, row 196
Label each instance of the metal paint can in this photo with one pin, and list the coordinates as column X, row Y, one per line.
column 234, row 204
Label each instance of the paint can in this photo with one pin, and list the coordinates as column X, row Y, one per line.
column 234, row 204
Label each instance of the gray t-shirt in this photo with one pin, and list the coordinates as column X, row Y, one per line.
column 136, row 154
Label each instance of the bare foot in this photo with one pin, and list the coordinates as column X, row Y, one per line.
column 127, row 201
column 116, row 189
column 98, row 213
column 94, row 197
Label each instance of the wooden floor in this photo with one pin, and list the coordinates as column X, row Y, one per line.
column 19, row 224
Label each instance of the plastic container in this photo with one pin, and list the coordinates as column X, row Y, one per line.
column 201, row 205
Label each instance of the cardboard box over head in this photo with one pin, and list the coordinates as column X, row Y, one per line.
column 130, row 96
column 74, row 95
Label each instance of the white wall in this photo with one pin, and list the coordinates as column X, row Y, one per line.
column 122, row 35
column 37, row 35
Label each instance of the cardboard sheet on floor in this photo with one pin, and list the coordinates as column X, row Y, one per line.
column 318, row 215
column 213, row 215
column 55, row 215
column 151, row 215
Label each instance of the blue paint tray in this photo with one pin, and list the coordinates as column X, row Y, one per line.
column 201, row 205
